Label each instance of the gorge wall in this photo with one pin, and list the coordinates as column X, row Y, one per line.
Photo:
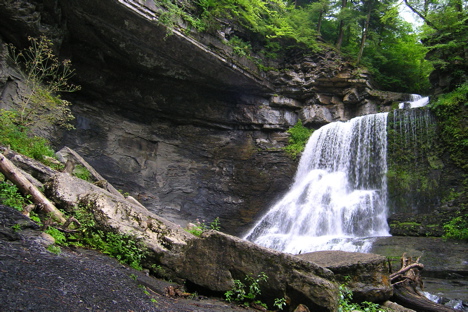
column 179, row 121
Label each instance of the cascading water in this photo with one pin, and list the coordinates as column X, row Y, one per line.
column 339, row 192
column 413, row 166
column 415, row 101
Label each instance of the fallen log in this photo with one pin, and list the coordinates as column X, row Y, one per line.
column 13, row 174
column 31, row 166
column 405, row 288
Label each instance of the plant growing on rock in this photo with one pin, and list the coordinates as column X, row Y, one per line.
column 345, row 303
column 18, row 138
column 10, row 196
column 45, row 77
column 298, row 140
column 199, row 227
column 124, row 247
column 457, row 228
column 247, row 292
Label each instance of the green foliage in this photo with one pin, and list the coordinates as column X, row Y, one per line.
column 247, row 291
column 269, row 21
column 199, row 227
column 125, row 248
column 18, row 138
column 445, row 36
column 215, row 225
column 345, row 303
column 279, row 303
column 81, row 172
column 16, row 228
column 298, row 139
column 54, row 249
column 457, row 228
column 10, row 196
column 46, row 77
column 176, row 15
column 451, row 110
column 239, row 46
column 400, row 65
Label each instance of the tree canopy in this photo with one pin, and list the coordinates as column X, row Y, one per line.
column 369, row 33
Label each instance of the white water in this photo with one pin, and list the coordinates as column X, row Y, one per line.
column 415, row 101
column 338, row 198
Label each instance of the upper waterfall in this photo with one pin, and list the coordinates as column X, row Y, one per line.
column 415, row 101
column 339, row 192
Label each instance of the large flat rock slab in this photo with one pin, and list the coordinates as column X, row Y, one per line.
column 336, row 260
column 367, row 275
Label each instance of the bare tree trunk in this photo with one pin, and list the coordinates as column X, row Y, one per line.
column 339, row 41
column 27, row 188
column 319, row 23
column 364, row 35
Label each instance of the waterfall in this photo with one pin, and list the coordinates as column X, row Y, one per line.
column 415, row 101
column 339, row 192
column 413, row 166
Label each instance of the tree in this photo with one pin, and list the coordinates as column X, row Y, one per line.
column 365, row 29
column 445, row 34
column 339, row 40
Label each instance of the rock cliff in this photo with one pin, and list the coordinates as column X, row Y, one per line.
column 179, row 121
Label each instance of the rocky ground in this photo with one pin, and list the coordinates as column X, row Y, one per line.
column 34, row 279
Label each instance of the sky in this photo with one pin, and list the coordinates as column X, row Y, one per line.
column 409, row 16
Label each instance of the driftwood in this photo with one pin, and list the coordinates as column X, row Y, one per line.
column 31, row 166
column 405, row 288
column 12, row 173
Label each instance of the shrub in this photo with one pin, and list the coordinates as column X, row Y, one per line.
column 298, row 140
column 345, row 303
column 45, row 77
column 247, row 291
column 10, row 196
column 124, row 247
column 457, row 228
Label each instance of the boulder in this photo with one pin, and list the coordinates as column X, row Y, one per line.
column 316, row 115
column 115, row 213
column 366, row 275
column 217, row 259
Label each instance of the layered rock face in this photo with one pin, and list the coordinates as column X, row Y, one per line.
column 179, row 121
